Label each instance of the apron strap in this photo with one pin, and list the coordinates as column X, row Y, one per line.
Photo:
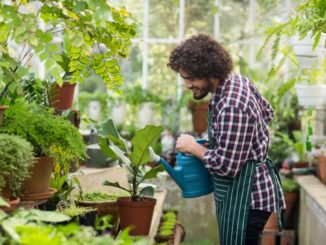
column 273, row 172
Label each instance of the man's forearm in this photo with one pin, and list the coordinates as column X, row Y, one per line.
column 198, row 150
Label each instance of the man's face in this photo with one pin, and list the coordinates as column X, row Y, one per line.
column 199, row 87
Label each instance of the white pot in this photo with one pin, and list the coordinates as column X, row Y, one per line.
column 311, row 95
column 146, row 114
column 303, row 47
column 119, row 113
column 94, row 110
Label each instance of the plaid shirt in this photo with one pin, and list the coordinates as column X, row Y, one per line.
column 239, row 126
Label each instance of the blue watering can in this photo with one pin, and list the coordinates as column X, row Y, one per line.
column 190, row 174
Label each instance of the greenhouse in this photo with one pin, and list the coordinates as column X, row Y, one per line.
column 148, row 122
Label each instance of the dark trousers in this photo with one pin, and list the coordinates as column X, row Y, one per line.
column 256, row 222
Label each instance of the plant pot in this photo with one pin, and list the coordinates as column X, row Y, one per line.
column 290, row 200
column 199, row 112
column 136, row 215
column 321, row 168
column 311, row 95
column 12, row 205
column 3, row 108
column 61, row 98
column 145, row 114
column 87, row 219
column 39, row 182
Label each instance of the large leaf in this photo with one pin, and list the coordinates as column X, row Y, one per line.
column 107, row 150
column 107, row 128
column 153, row 172
column 147, row 191
column 143, row 139
column 3, row 202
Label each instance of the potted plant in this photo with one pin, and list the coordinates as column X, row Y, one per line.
column 17, row 157
column 312, row 89
column 290, row 188
column 52, row 137
column 320, row 156
column 81, row 215
column 135, row 210
column 75, row 30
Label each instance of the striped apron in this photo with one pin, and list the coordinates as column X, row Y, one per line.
column 233, row 198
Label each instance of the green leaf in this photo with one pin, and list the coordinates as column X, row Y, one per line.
column 107, row 128
column 107, row 150
column 147, row 191
column 52, row 48
column 143, row 139
column 153, row 172
column 3, row 202
column 115, row 184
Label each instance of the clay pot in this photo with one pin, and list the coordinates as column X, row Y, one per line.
column 61, row 98
column 39, row 182
column 199, row 112
column 12, row 205
column 321, row 168
column 3, row 108
column 136, row 215
column 290, row 199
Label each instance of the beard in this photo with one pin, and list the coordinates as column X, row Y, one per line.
column 202, row 92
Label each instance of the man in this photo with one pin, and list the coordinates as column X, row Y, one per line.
column 246, row 185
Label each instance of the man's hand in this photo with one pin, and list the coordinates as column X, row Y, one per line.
column 186, row 143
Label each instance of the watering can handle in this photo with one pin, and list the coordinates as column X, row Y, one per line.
column 199, row 141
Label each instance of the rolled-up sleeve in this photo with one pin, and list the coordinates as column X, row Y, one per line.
column 233, row 136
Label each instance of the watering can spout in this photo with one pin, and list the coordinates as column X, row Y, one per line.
column 175, row 173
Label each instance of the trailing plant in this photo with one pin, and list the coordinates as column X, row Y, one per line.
column 17, row 157
column 50, row 135
column 133, row 157
column 92, row 35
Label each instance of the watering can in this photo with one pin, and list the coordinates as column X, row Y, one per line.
column 190, row 174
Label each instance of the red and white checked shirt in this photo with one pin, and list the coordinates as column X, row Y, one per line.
column 239, row 128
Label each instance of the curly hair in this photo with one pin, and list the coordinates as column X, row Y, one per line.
column 201, row 57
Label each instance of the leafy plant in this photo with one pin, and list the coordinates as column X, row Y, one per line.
column 289, row 185
column 49, row 134
column 133, row 157
column 17, row 157
column 74, row 211
column 80, row 26
column 97, row 196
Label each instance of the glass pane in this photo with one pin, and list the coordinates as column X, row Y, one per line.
column 136, row 7
column 163, row 19
column 199, row 16
column 131, row 69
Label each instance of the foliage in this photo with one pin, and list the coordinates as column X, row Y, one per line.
column 93, row 34
column 20, row 228
column 289, row 184
column 133, row 157
column 49, row 134
column 135, row 95
column 84, row 98
column 297, row 144
column 74, row 211
column 17, row 157
column 97, row 196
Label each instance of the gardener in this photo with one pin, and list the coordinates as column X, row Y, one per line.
column 246, row 185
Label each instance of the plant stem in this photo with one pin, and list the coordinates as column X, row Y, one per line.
column 134, row 184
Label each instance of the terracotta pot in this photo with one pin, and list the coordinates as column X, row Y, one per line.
column 3, row 108
column 12, row 205
column 61, row 98
column 136, row 215
column 290, row 199
column 199, row 112
column 321, row 166
column 39, row 182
